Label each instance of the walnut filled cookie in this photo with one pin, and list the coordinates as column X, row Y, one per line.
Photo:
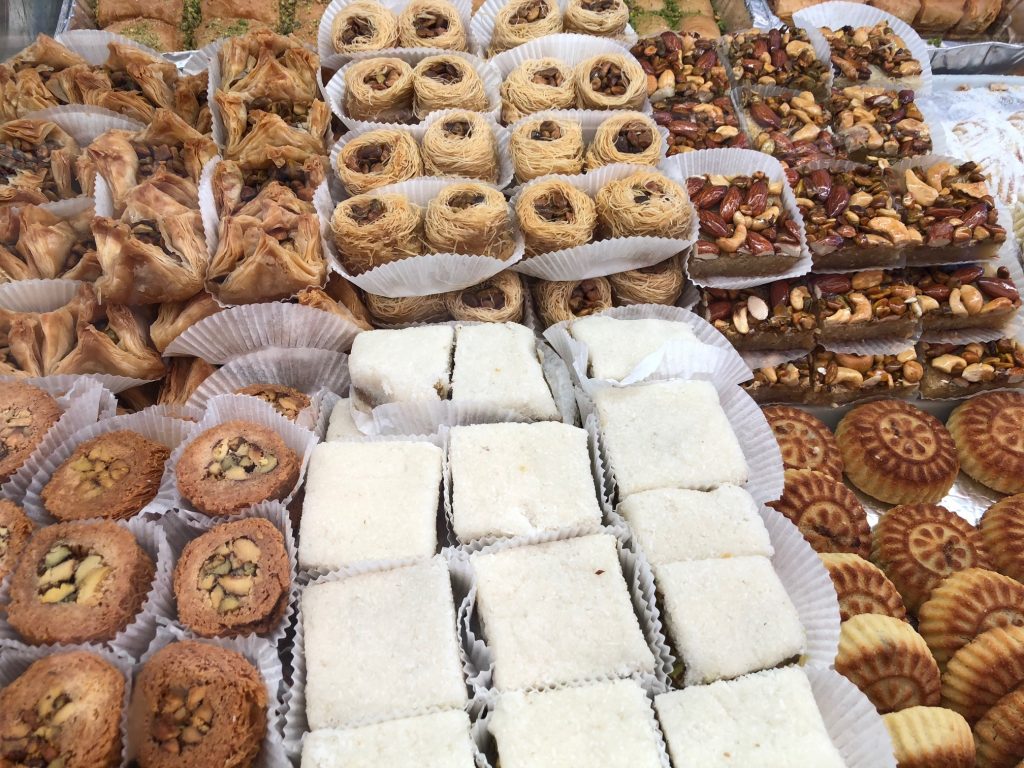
column 15, row 530
column 1002, row 528
column 26, row 413
column 826, row 512
column 897, row 453
column 983, row 671
column 113, row 475
column 233, row 580
column 861, row 587
column 989, row 434
column 235, row 465
column 78, row 582
column 196, row 704
column 64, row 710
column 930, row 737
column 999, row 735
column 287, row 401
column 804, row 440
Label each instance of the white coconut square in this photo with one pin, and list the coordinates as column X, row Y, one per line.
column 400, row 366
column 341, row 425
column 615, row 347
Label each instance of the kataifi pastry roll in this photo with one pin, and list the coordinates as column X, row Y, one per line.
column 374, row 229
column 983, row 671
column 930, row 737
column 826, row 512
column 560, row 300
column 379, row 90
column 113, row 476
column 520, row 21
column 15, row 531
column 918, row 545
column 861, row 587
column 447, row 81
column 431, row 24
column 472, row 218
column 999, row 735
column 26, row 415
column 197, row 704
column 536, row 85
column 610, row 81
column 554, row 215
column 805, row 441
column 660, row 283
column 462, row 144
column 365, row 25
column 1002, row 528
column 646, row 203
column 898, row 453
column 287, row 401
column 233, row 580
column 888, row 661
column 966, row 604
column 234, row 465
column 377, row 158
column 626, row 137
column 498, row 299
column 407, row 309
column 78, row 582
column 64, row 710
column 604, row 18
column 989, row 434
column 540, row 146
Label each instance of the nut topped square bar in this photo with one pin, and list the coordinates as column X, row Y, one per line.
column 684, row 66
column 964, row 296
column 871, row 122
column 782, row 56
column 791, row 127
column 871, row 55
column 870, row 304
column 779, row 315
column 959, row 370
column 696, row 125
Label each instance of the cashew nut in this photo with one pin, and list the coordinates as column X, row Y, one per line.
column 766, row 219
column 848, row 376
column 732, row 244
column 894, row 229
column 727, row 131
column 797, row 296
column 976, row 189
column 809, row 132
column 972, row 299
column 949, row 363
column 927, row 303
column 923, row 194
column 861, row 308
column 860, row 199
column 979, row 372
column 791, row 375
column 841, row 316
column 956, row 304
column 860, row 363
column 906, row 354
column 769, row 373
column 795, row 47
column 997, row 305
column 868, row 278
column 937, row 173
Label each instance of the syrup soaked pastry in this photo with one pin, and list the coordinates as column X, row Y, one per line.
column 25, row 79
column 39, row 244
column 15, row 530
column 174, row 318
column 37, row 157
column 184, row 375
column 804, row 440
column 983, row 671
column 826, row 512
column 989, row 435
column 26, row 414
column 1002, row 528
column 287, row 401
column 862, row 587
column 928, row 737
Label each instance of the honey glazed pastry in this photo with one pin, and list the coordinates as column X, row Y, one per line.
column 989, row 434
column 918, row 545
column 861, row 587
column 1002, row 528
column 804, row 440
column 15, row 530
column 983, row 671
column 565, row 300
column 826, row 512
column 999, row 735
column 930, row 737
column 26, row 414
column 287, row 401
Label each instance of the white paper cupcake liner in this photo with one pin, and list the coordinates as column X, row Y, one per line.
column 730, row 162
column 91, row 44
column 182, row 527
column 602, row 257
column 220, row 338
column 756, row 359
column 852, row 722
column 86, row 123
column 263, row 656
column 835, row 15
column 37, row 296
column 871, row 346
column 569, row 47
column 335, row 89
column 325, row 45
column 714, row 359
column 499, row 132
column 160, row 429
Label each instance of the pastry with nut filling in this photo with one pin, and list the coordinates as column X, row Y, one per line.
column 224, row 699
column 26, row 414
column 287, row 401
column 233, row 580
column 841, row 378
column 964, row 296
column 862, row 587
column 1002, row 528
column 989, row 434
column 113, row 475
column 15, row 530
column 959, row 370
column 63, row 710
column 791, row 381
column 826, row 512
column 872, row 123
column 805, row 441
column 928, row 737
column 234, row 465
column 870, row 304
column 78, row 582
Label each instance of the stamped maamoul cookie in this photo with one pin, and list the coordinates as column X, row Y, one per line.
column 888, row 661
column 897, row 453
column 861, row 587
column 235, row 465
column 113, row 476
column 1002, row 529
column 287, row 401
column 989, row 434
column 983, row 671
column 233, row 580
column 804, row 440
column 225, row 703
column 826, row 512
column 26, row 414
column 64, row 710
column 78, row 582
column 999, row 735
column 918, row 545
column 15, row 530
column 966, row 604
column 930, row 737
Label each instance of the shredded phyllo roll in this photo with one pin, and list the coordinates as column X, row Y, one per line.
column 447, row 81
column 658, row 284
column 377, row 158
column 370, row 230
column 37, row 411
column 536, row 85
column 540, row 146
column 646, row 203
column 38, row 244
column 470, row 218
column 610, row 81
column 628, row 137
column 461, row 144
column 37, row 157
column 558, row 301
column 554, row 215
column 379, row 90
column 412, row 309
column 596, row 17
column 431, row 24
column 364, row 25
column 520, row 21
column 499, row 299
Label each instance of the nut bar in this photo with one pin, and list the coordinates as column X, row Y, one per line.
column 950, row 214
column 875, row 54
column 850, row 218
column 744, row 228
column 782, row 57
column 968, row 296
column 959, row 370
column 681, row 65
column 779, row 315
column 696, row 125
column 789, row 382
column 865, row 305
column 844, row 378
column 873, row 122
column 791, row 127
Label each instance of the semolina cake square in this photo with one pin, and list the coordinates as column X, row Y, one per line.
column 615, row 347
column 401, row 366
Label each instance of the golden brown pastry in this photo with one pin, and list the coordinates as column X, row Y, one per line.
column 174, row 318
column 38, row 157
column 374, row 229
column 131, row 82
column 1002, row 528
column 15, row 530
column 109, row 11
column 999, row 735
column 989, row 434
column 660, row 283
column 557, row 301
column 498, row 299
column 826, row 512
column 804, row 440
column 554, row 215
column 861, row 587
column 938, row 15
column 350, row 309
column 520, row 21
column 287, row 401
column 26, row 416
column 471, row 218
column 386, row 311
column 983, row 671
column 266, row 11
column 153, row 33
column 904, row 10
column 377, row 158
column 46, row 246
column 930, row 737
column 365, row 25
column 643, row 204
column 184, row 375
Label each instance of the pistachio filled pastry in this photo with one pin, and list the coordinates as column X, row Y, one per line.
column 26, row 415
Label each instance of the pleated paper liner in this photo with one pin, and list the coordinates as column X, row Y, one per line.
column 421, row 275
column 836, row 15
column 92, row 44
column 158, row 428
column 713, row 358
column 731, row 162
column 183, row 528
column 500, row 134
column 325, row 43
column 852, row 721
column 603, row 257
column 335, row 89
column 237, row 331
column 37, row 296
column 263, row 656
column 136, row 636
column 17, row 658
column 821, row 52
column 86, row 123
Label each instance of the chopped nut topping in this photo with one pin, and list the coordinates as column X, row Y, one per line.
column 283, row 402
column 463, row 200
column 856, row 50
column 383, row 78
column 633, row 139
column 444, row 73
column 14, row 424
column 585, row 298
column 681, row 66
column 554, row 206
column 791, row 128
column 429, row 24
column 609, row 78
column 548, row 130
column 69, row 573
column 182, row 719
column 780, row 307
column 367, row 213
column 228, row 575
column 783, row 57
column 550, row 76
column 874, row 122
column 861, row 297
column 693, row 125
column 370, row 158
column 599, row 6
column 237, row 459
column 357, row 28
column 97, row 471
column 459, row 129
column 486, row 297
column 529, row 12
column 976, row 362
column 30, row 740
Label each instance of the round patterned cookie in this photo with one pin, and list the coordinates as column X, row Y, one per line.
column 804, row 440
column 983, row 671
column 966, row 604
column 918, row 545
column 826, row 512
column 1002, row 528
column 930, row 737
column 999, row 735
column 989, row 435
column 897, row 453
column 861, row 587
